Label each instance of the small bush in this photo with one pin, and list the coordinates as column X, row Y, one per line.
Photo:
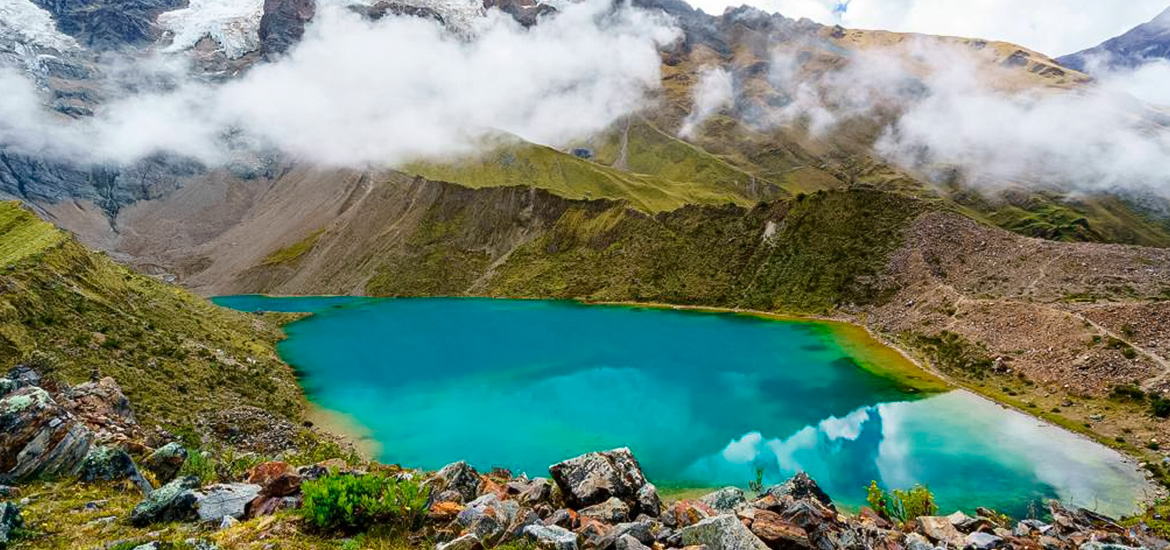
column 1160, row 406
column 200, row 466
column 1128, row 392
column 901, row 506
column 352, row 503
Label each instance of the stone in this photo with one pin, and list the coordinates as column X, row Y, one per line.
column 466, row 542
column 687, row 512
column 593, row 478
column 41, row 438
column 174, row 501
column 536, row 491
column 111, row 464
column 562, row 518
column 266, row 506
column 444, row 511
column 101, row 405
column 940, row 530
column 801, row 486
column 643, row 531
column 153, row 545
column 648, row 501
column 724, row 532
column 551, row 537
column 276, row 479
column 915, row 541
column 166, row 461
column 627, row 542
column 808, row 514
column 488, row 517
column 459, row 477
column 610, row 511
column 215, row 502
column 228, row 522
column 594, row 534
column 982, row 541
column 10, row 522
column 725, row 500
column 777, row 533
column 524, row 518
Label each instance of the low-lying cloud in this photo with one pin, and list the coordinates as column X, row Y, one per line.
column 948, row 109
column 714, row 91
column 357, row 92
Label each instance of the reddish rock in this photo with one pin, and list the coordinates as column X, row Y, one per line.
column 777, row 533
column 442, row 512
column 277, row 479
column 687, row 512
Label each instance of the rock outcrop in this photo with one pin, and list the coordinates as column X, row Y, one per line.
column 166, row 461
column 283, row 24
column 594, row 478
column 174, row 501
column 39, row 437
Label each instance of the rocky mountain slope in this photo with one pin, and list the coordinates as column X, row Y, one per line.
column 1146, row 42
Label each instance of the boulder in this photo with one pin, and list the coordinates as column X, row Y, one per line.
column 562, row 518
column 488, row 517
column 458, row 477
column 10, row 522
column 465, row 542
column 611, row 511
column 627, row 542
column 593, row 478
column 643, row 531
column 276, row 479
column 595, row 534
column 444, row 511
column 725, row 500
column 801, row 486
column 648, row 501
column 724, row 532
column 225, row 500
column 777, row 533
column 551, row 537
column 112, row 464
column 41, row 438
column 266, row 506
column 166, row 461
column 174, row 501
column 535, row 491
column 940, row 530
column 687, row 512
column 982, row 541
column 102, row 406
column 915, row 541
column 1106, row 546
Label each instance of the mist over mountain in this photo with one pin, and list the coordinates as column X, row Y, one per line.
column 1148, row 42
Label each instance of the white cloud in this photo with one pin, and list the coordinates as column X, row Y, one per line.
column 714, row 91
column 356, row 92
column 1053, row 27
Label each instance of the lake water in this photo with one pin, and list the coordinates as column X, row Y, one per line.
column 702, row 399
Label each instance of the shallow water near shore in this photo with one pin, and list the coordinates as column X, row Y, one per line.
column 702, row 399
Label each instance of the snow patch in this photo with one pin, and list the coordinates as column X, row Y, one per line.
column 26, row 23
column 233, row 24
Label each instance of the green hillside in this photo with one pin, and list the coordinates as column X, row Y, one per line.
column 177, row 356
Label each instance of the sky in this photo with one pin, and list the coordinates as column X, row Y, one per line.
column 1052, row 27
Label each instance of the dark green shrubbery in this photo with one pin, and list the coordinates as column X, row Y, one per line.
column 901, row 506
column 355, row 502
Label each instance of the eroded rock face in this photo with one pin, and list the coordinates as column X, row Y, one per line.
column 594, row 478
column 283, row 24
column 38, row 437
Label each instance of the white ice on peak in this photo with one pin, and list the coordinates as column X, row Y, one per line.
column 233, row 24
column 26, row 23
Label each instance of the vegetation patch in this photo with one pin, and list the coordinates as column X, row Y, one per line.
column 294, row 252
column 353, row 503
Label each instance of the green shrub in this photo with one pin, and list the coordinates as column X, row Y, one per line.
column 349, row 502
column 901, row 506
column 199, row 465
column 1128, row 392
column 1160, row 406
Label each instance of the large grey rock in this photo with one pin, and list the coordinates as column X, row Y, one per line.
column 226, row 500
column 723, row 532
column 458, row 477
column 982, row 541
column 166, row 461
column 41, row 438
column 648, row 501
column 610, row 511
column 174, row 501
column 725, row 500
column 488, row 517
column 593, row 478
column 801, row 486
column 112, row 464
column 627, row 542
column 10, row 522
column 551, row 537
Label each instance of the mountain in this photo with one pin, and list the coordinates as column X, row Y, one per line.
column 1146, row 42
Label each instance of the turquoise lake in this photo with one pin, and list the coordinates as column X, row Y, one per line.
column 702, row 399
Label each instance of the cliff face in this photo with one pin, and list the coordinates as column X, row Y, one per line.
column 283, row 24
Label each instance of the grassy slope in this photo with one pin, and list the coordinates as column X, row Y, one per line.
column 674, row 176
column 827, row 248
column 174, row 354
